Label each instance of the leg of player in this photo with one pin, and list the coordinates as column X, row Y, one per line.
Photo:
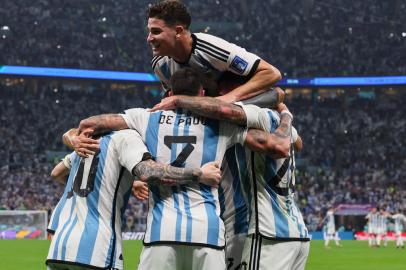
column 234, row 248
column 260, row 253
column 158, row 257
column 205, row 258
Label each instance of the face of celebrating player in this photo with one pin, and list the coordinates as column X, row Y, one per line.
column 161, row 37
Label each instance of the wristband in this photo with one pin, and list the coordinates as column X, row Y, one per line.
column 287, row 112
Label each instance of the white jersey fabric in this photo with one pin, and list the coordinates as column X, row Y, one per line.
column 186, row 214
column 61, row 213
column 373, row 222
column 274, row 213
column 95, row 197
column 211, row 56
column 331, row 227
column 400, row 220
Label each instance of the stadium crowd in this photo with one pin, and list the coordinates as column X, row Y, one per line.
column 352, row 146
column 357, row 37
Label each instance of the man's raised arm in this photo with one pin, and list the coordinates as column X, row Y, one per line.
column 80, row 139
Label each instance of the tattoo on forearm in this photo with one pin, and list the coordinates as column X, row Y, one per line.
column 153, row 172
column 105, row 122
column 285, row 127
column 214, row 109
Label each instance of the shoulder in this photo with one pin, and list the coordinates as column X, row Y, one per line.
column 157, row 61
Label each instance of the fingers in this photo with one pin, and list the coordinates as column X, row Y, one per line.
column 155, row 108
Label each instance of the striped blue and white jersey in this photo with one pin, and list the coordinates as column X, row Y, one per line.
column 233, row 191
column 96, row 195
column 185, row 214
column 400, row 220
column 60, row 213
column 211, row 56
column 373, row 220
column 382, row 222
column 331, row 226
column 274, row 211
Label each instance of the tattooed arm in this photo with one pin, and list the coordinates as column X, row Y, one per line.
column 205, row 106
column 153, row 172
column 103, row 123
column 80, row 139
column 277, row 144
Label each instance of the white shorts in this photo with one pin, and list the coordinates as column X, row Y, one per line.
column 234, row 248
column 181, row 257
column 260, row 253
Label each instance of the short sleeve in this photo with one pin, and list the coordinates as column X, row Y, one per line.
column 137, row 119
column 67, row 160
column 260, row 118
column 226, row 56
column 130, row 148
column 294, row 134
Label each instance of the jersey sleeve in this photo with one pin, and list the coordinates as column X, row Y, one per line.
column 158, row 66
column 234, row 133
column 137, row 119
column 294, row 134
column 67, row 160
column 261, row 118
column 130, row 149
column 226, row 56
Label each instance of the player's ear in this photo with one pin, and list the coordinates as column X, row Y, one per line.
column 170, row 93
column 179, row 30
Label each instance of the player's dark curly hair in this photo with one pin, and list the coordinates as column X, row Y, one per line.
column 172, row 12
column 186, row 81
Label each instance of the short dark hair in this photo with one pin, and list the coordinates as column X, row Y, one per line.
column 172, row 12
column 186, row 81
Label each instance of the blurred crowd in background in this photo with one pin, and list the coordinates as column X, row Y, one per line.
column 303, row 38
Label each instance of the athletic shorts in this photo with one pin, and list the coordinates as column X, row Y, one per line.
column 234, row 248
column 181, row 257
column 264, row 254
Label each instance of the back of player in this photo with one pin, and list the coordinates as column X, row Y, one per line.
column 372, row 218
column 187, row 215
column 95, row 198
column 276, row 228
column 234, row 187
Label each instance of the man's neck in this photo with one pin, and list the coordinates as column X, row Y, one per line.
column 184, row 49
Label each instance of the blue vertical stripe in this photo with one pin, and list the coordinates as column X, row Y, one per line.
column 151, row 135
column 281, row 222
column 174, row 148
column 65, row 240
column 151, row 138
column 186, row 200
column 61, row 204
column 241, row 223
column 210, row 142
column 64, row 227
column 188, row 214
column 156, row 214
column 88, row 238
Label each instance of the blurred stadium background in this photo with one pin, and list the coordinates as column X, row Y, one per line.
column 344, row 68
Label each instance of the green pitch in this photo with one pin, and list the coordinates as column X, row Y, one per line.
column 30, row 254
